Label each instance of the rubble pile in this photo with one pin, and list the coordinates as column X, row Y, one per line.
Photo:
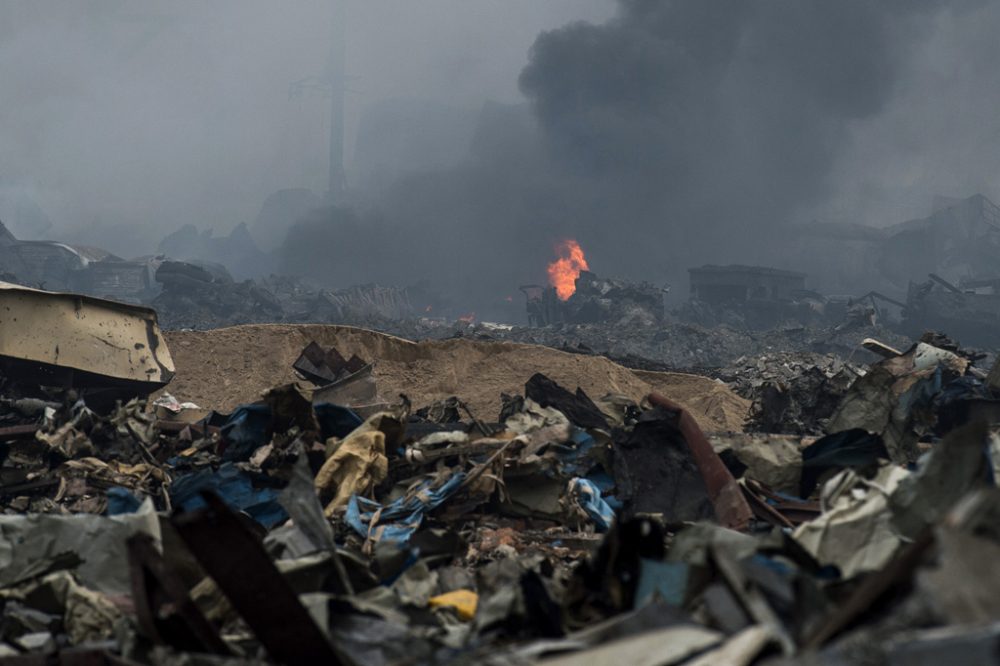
column 195, row 297
column 203, row 297
column 119, row 528
column 579, row 297
column 792, row 393
column 684, row 346
column 621, row 320
column 348, row 497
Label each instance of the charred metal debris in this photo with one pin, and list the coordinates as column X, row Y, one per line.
column 853, row 521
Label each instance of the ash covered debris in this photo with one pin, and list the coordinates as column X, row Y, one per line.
column 971, row 309
column 596, row 300
column 680, row 345
column 773, row 471
column 62, row 267
column 203, row 296
column 733, row 311
column 459, row 500
column 758, row 297
column 195, row 296
column 792, row 393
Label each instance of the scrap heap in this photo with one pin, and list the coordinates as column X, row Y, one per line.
column 334, row 522
column 792, row 393
column 204, row 296
column 596, row 300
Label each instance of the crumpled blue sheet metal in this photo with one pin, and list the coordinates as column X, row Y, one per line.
column 920, row 394
column 667, row 580
column 606, row 484
column 246, row 429
column 575, row 459
column 963, row 388
column 398, row 521
column 335, row 421
column 121, row 500
column 235, row 488
column 588, row 496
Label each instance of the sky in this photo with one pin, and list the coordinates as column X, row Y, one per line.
column 125, row 120
column 479, row 133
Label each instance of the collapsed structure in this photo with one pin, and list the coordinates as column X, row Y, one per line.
column 971, row 310
column 762, row 297
column 62, row 267
column 891, row 267
column 739, row 284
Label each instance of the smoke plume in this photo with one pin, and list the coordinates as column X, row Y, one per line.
column 676, row 133
column 712, row 124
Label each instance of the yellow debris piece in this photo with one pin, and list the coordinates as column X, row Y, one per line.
column 357, row 465
column 463, row 601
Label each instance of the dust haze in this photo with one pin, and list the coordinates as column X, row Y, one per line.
column 659, row 134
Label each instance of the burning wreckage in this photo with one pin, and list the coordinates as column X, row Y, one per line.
column 317, row 493
column 594, row 300
column 935, row 273
column 742, row 310
column 577, row 296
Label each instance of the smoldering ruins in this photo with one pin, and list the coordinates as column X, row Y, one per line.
column 507, row 333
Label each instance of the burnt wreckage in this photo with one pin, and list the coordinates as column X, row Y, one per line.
column 762, row 296
column 948, row 263
column 87, row 270
column 447, row 501
column 970, row 310
column 382, row 523
column 595, row 300
column 102, row 350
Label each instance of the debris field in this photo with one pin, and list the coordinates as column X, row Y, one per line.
column 303, row 494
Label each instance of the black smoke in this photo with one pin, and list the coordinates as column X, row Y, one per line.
column 711, row 124
column 679, row 132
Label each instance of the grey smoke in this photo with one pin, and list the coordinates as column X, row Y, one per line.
column 718, row 121
column 127, row 120
column 675, row 133
column 670, row 134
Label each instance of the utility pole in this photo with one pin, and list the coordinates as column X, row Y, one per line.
column 336, row 68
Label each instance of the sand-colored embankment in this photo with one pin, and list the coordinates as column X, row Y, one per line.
column 225, row 367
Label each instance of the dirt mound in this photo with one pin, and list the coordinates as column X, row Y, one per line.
column 225, row 367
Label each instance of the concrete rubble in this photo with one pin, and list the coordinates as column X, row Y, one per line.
column 792, row 393
column 366, row 502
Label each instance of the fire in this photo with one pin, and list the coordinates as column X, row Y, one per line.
column 564, row 271
column 469, row 318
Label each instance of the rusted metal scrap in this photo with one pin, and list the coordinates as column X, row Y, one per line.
column 338, row 379
column 731, row 507
column 163, row 606
column 237, row 562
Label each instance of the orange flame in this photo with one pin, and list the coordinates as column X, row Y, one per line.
column 469, row 318
column 564, row 271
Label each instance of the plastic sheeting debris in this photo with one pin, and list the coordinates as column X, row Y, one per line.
column 397, row 521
